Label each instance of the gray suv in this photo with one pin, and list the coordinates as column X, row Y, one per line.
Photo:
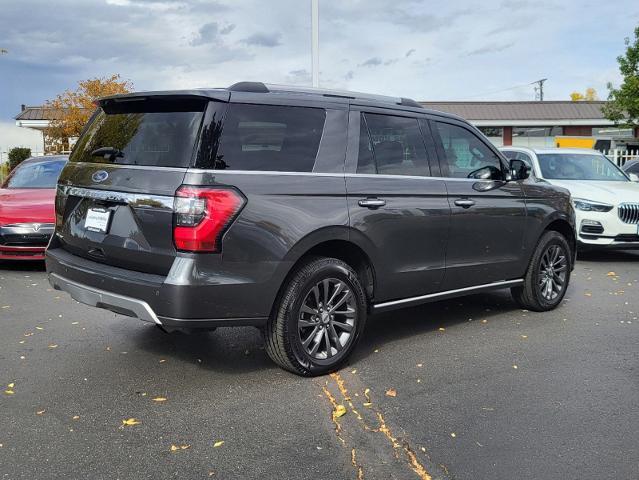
column 298, row 211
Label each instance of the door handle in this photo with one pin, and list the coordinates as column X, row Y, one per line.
column 372, row 202
column 464, row 203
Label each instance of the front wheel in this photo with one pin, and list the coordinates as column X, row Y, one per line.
column 547, row 276
column 319, row 318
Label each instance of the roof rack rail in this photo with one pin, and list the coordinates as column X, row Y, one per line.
column 259, row 87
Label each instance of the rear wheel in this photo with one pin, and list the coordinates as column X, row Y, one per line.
column 547, row 276
column 318, row 319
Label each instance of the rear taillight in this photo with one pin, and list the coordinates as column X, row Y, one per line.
column 202, row 215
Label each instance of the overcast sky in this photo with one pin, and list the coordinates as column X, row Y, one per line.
column 427, row 50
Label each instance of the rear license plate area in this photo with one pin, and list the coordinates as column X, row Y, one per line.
column 98, row 220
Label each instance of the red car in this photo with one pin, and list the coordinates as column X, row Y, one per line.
column 27, row 212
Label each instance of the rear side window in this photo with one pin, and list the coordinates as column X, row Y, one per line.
column 150, row 132
column 397, row 145
column 270, row 138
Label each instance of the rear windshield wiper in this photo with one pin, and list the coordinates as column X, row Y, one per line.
column 109, row 153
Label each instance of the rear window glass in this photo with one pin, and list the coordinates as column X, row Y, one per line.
column 146, row 132
column 268, row 137
column 35, row 174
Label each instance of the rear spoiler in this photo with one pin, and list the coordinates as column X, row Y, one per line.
column 213, row 94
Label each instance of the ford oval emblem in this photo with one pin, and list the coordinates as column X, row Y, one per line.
column 100, row 176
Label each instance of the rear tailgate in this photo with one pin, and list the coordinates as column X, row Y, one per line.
column 115, row 198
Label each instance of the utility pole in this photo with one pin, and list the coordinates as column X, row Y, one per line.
column 315, row 42
column 539, row 89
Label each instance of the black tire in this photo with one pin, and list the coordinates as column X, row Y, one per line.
column 535, row 294
column 293, row 318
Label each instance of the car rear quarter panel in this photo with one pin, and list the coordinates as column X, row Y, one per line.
column 285, row 215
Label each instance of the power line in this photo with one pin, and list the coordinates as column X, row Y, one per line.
column 501, row 90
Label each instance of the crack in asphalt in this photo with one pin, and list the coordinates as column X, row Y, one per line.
column 357, row 434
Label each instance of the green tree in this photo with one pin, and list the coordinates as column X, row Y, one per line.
column 17, row 155
column 623, row 102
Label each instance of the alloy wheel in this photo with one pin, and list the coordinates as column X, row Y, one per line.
column 553, row 271
column 327, row 319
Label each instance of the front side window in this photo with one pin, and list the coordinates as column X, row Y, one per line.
column 271, row 138
column 396, row 144
column 577, row 166
column 35, row 174
column 465, row 155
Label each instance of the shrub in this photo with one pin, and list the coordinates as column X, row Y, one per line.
column 17, row 155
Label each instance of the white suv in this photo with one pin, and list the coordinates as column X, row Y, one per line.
column 606, row 200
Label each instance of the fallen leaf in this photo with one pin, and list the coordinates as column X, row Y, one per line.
column 162, row 360
column 28, row 334
column 39, row 328
column 588, row 294
column 340, row 411
column 484, row 321
column 6, row 306
column 442, row 329
column 453, row 435
column 376, row 350
column 422, row 449
column 354, row 371
column 130, row 422
column 391, row 392
column 524, row 336
column 175, row 448
column 76, row 417
column 515, row 367
column 53, row 345
column 611, row 274
column 9, row 392
column 75, row 323
column 219, row 443
column 40, row 412
column 420, row 365
column 159, row 399
column 11, row 385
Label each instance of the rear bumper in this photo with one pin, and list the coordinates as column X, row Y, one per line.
column 158, row 299
column 94, row 297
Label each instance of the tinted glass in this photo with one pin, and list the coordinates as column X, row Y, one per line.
column 398, row 146
column 576, row 166
column 464, row 152
column 158, row 133
column 35, row 174
column 365, row 161
column 267, row 137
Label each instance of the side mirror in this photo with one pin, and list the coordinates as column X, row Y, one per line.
column 486, row 173
column 634, row 177
column 519, row 170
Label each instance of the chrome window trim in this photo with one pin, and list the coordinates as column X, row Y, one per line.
column 318, row 174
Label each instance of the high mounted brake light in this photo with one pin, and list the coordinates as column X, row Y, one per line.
column 202, row 216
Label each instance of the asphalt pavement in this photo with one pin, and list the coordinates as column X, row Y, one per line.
column 472, row 388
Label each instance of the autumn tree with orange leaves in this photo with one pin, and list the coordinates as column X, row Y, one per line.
column 73, row 108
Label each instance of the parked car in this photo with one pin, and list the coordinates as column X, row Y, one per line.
column 27, row 218
column 299, row 212
column 605, row 199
